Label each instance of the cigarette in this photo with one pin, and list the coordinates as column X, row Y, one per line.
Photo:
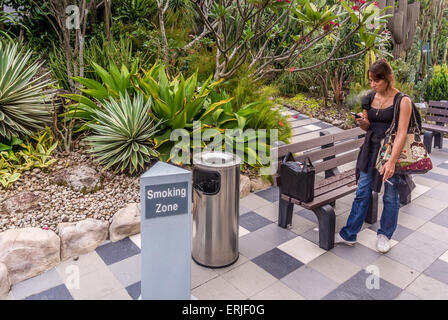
column 389, row 182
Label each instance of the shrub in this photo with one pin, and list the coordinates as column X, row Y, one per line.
column 438, row 86
column 402, row 70
column 17, row 156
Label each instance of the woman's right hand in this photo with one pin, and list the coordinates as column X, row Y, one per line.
column 363, row 123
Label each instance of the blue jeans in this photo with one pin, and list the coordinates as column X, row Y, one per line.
column 389, row 218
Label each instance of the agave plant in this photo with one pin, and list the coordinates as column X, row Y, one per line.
column 114, row 82
column 22, row 106
column 123, row 134
column 180, row 102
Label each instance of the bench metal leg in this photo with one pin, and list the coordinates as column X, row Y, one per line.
column 285, row 209
column 327, row 220
column 404, row 202
column 372, row 211
column 427, row 140
column 438, row 140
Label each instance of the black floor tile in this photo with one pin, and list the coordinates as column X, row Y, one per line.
column 356, row 288
column 277, row 263
column 57, row 293
column 253, row 221
column 270, row 194
column 134, row 290
column 116, row 251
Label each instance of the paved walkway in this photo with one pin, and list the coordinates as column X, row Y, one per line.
column 282, row 264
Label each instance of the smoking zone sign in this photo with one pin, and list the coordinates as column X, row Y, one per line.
column 166, row 200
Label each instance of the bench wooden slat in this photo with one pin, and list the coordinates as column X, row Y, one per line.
column 319, row 154
column 434, row 127
column 433, row 103
column 435, row 111
column 334, row 178
column 317, row 142
column 437, row 119
column 323, row 199
column 350, row 180
column 337, row 161
column 331, row 151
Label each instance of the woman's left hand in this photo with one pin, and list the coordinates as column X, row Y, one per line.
column 388, row 170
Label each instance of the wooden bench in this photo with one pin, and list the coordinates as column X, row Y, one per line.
column 434, row 125
column 326, row 153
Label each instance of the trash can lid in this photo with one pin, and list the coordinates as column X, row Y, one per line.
column 216, row 159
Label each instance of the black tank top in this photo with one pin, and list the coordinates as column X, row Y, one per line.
column 381, row 122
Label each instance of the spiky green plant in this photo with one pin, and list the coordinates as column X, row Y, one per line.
column 22, row 106
column 123, row 135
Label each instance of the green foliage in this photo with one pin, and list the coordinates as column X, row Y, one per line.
column 200, row 60
column 242, row 87
column 120, row 52
column 114, row 83
column 408, row 88
column 438, row 86
column 22, row 106
column 177, row 101
column 422, row 85
column 101, row 52
column 181, row 13
column 402, row 70
column 124, row 134
column 57, row 64
column 269, row 117
column 301, row 103
column 35, row 21
column 17, row 156
column 134, row 11
column 6, row 20
column 291, row 83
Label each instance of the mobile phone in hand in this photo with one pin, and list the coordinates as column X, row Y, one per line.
column 357, row 116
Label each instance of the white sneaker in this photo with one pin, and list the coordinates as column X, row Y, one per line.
column 383, row 244
column 339, row 239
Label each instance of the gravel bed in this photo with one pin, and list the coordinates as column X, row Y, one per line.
column 62, row 204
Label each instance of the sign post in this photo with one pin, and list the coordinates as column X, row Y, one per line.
column 165, row 203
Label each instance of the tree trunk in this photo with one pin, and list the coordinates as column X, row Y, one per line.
column 163, row 7
column 108, row 17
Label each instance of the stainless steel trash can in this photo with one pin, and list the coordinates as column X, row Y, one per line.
column 216, row 195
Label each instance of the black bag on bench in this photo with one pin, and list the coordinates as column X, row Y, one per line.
column 297, row 179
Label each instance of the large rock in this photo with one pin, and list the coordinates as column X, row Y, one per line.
column 28, row 252
column 125, row 223
column 81, row 237
column 21, row 202
column 81, row 179
column 4, row 281
column 259, row 184
column 244, row 186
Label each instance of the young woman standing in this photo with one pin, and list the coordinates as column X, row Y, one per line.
column 376, row 118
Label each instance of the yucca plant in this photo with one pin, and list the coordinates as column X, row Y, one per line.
column 22, row 106
column 123, row 134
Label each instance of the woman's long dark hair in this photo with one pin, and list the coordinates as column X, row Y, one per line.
column 381, row 70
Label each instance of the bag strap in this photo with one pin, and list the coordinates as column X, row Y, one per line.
column 305, row 166
column 288, row 157
column 396, row 107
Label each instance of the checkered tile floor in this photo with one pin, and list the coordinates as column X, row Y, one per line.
column 283, row 264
